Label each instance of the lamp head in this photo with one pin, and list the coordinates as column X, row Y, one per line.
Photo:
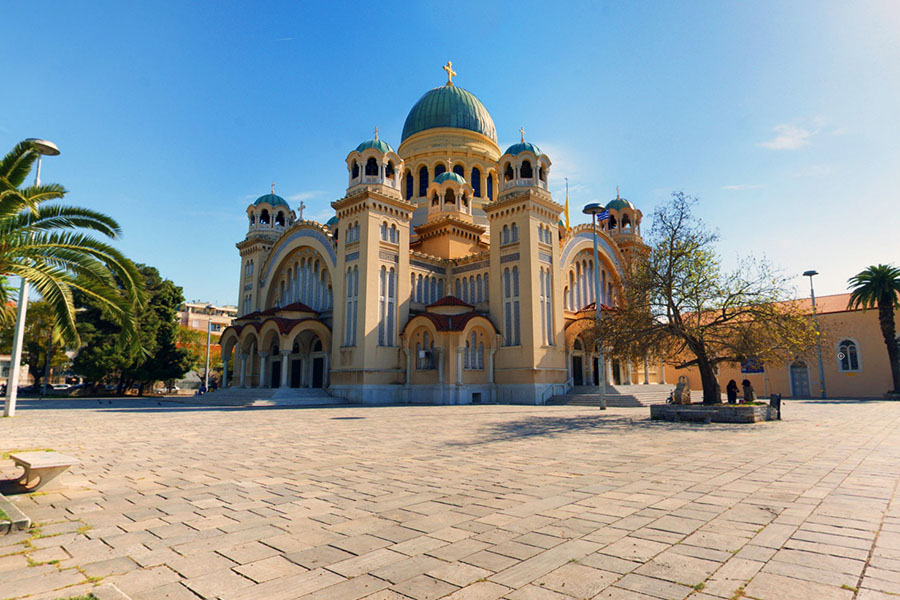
column 45, row 147
column 810, row 273
column 594, row 208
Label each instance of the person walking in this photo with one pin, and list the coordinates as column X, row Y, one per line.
column 749, row 394
column 732, row 390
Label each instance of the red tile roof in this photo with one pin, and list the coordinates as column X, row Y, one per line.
column 451, row 322
column 450, row 301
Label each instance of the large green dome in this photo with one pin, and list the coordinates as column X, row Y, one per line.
column 449, row 106
column 271, row 199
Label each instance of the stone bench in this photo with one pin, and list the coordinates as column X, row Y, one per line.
column 693, row 416
column 41, row 468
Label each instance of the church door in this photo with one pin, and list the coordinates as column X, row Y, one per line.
column 296, row 370
column 577, row 374
column 318, row 376
column 799, row 380
column 276, row 374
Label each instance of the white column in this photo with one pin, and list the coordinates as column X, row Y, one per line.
column 243, row 369
column 628, row 380
column 568, row 365
column 285, row 366
column 262, row 369
column 225, row 371
column 440, row 365
column 409, row 352
column 662, row 371
column 459, row 364
column 646, row 371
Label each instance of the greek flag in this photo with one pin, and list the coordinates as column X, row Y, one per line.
column 602, row 216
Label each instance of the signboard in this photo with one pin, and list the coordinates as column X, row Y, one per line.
column 752, row 366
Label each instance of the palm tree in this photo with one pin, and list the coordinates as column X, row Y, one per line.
column 879, row 285
column 47, row 245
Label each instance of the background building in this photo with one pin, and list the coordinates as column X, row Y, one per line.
column 196, row 315
column 854, row 358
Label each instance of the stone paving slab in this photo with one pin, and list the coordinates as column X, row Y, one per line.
column 467, row 502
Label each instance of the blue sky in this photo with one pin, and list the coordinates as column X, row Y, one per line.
column 782, row 117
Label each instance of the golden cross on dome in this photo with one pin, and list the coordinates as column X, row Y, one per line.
column 522, row 131
column 617, row 192
column 376, row 132
column 273, row 187
column 450, row 72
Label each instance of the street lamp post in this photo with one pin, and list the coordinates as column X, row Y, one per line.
column 209, row 309
column 812, row 295
column 42, row 147
column 594, row 209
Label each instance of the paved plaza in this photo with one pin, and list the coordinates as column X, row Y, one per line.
column 461, row 502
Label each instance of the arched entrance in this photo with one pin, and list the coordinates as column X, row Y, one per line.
column 307, row 361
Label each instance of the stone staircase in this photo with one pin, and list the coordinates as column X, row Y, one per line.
column 266, row 397
column 619, row 396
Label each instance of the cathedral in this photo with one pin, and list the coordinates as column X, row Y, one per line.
column 445, row 276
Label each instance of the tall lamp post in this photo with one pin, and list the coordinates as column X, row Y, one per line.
column 812, row 295
column 594, row 209
column 42, row 147
column 209, row 309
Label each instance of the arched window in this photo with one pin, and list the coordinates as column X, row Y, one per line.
column 458, row 288
column 490, row 187
column 440, row 288
column 419, row 290
column 508, row 173
column 389, row 170
column 435, row 200
column 252, row 219
column 449, row 198
column 458, row 169
column 354, row 170
column 465, row 290
column 382, row 305
column 395, row 234
column 848, row 355
column 476, row 182
column 384, row 231
column 487, row 289
column 465, row 201
column 504, row 238
column 439, row 169
column 408, row 182
column 626, row 223
column 511, row 310
column 542, row 174
column 264, row 217
column 514, row 233
column 525, row 171
column 423, row 181
column 479, row 296
column 371, row 167
column 612, row 221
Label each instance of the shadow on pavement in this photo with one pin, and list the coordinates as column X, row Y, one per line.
column 600, row 425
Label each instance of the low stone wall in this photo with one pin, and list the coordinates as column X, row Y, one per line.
column 723, row 413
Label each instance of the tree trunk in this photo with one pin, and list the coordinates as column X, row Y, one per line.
column 711, row 393
column 889, row 332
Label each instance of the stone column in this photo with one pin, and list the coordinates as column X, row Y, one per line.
column 262, row 368
column 662, row 371
column 243, row 369
column 440, row 365
column 326, row 376
column 568, row 365
column 285, row 366
column 646, row 371
column 628, row 372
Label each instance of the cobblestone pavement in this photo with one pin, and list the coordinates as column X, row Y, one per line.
column 474, row 502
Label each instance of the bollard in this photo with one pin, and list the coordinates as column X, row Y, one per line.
column 775, row 402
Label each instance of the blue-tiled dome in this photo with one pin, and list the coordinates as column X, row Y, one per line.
column 619, row 204
column 332, row 222
column 379, row 145
column 522, row 147
column 449, row 106
column 449, row 176
column 271, row 199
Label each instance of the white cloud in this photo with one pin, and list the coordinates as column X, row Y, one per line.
column 304, row 195
column 788, row 137
column 741, row 187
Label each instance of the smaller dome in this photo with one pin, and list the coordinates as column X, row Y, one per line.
column 331, row 222
column 561, row 224
column 379, row 145
column 619, row 204
column 272, row 199
column 449, row 176
column 522, row 147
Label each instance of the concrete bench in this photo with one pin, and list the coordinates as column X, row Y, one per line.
column 41, row 468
